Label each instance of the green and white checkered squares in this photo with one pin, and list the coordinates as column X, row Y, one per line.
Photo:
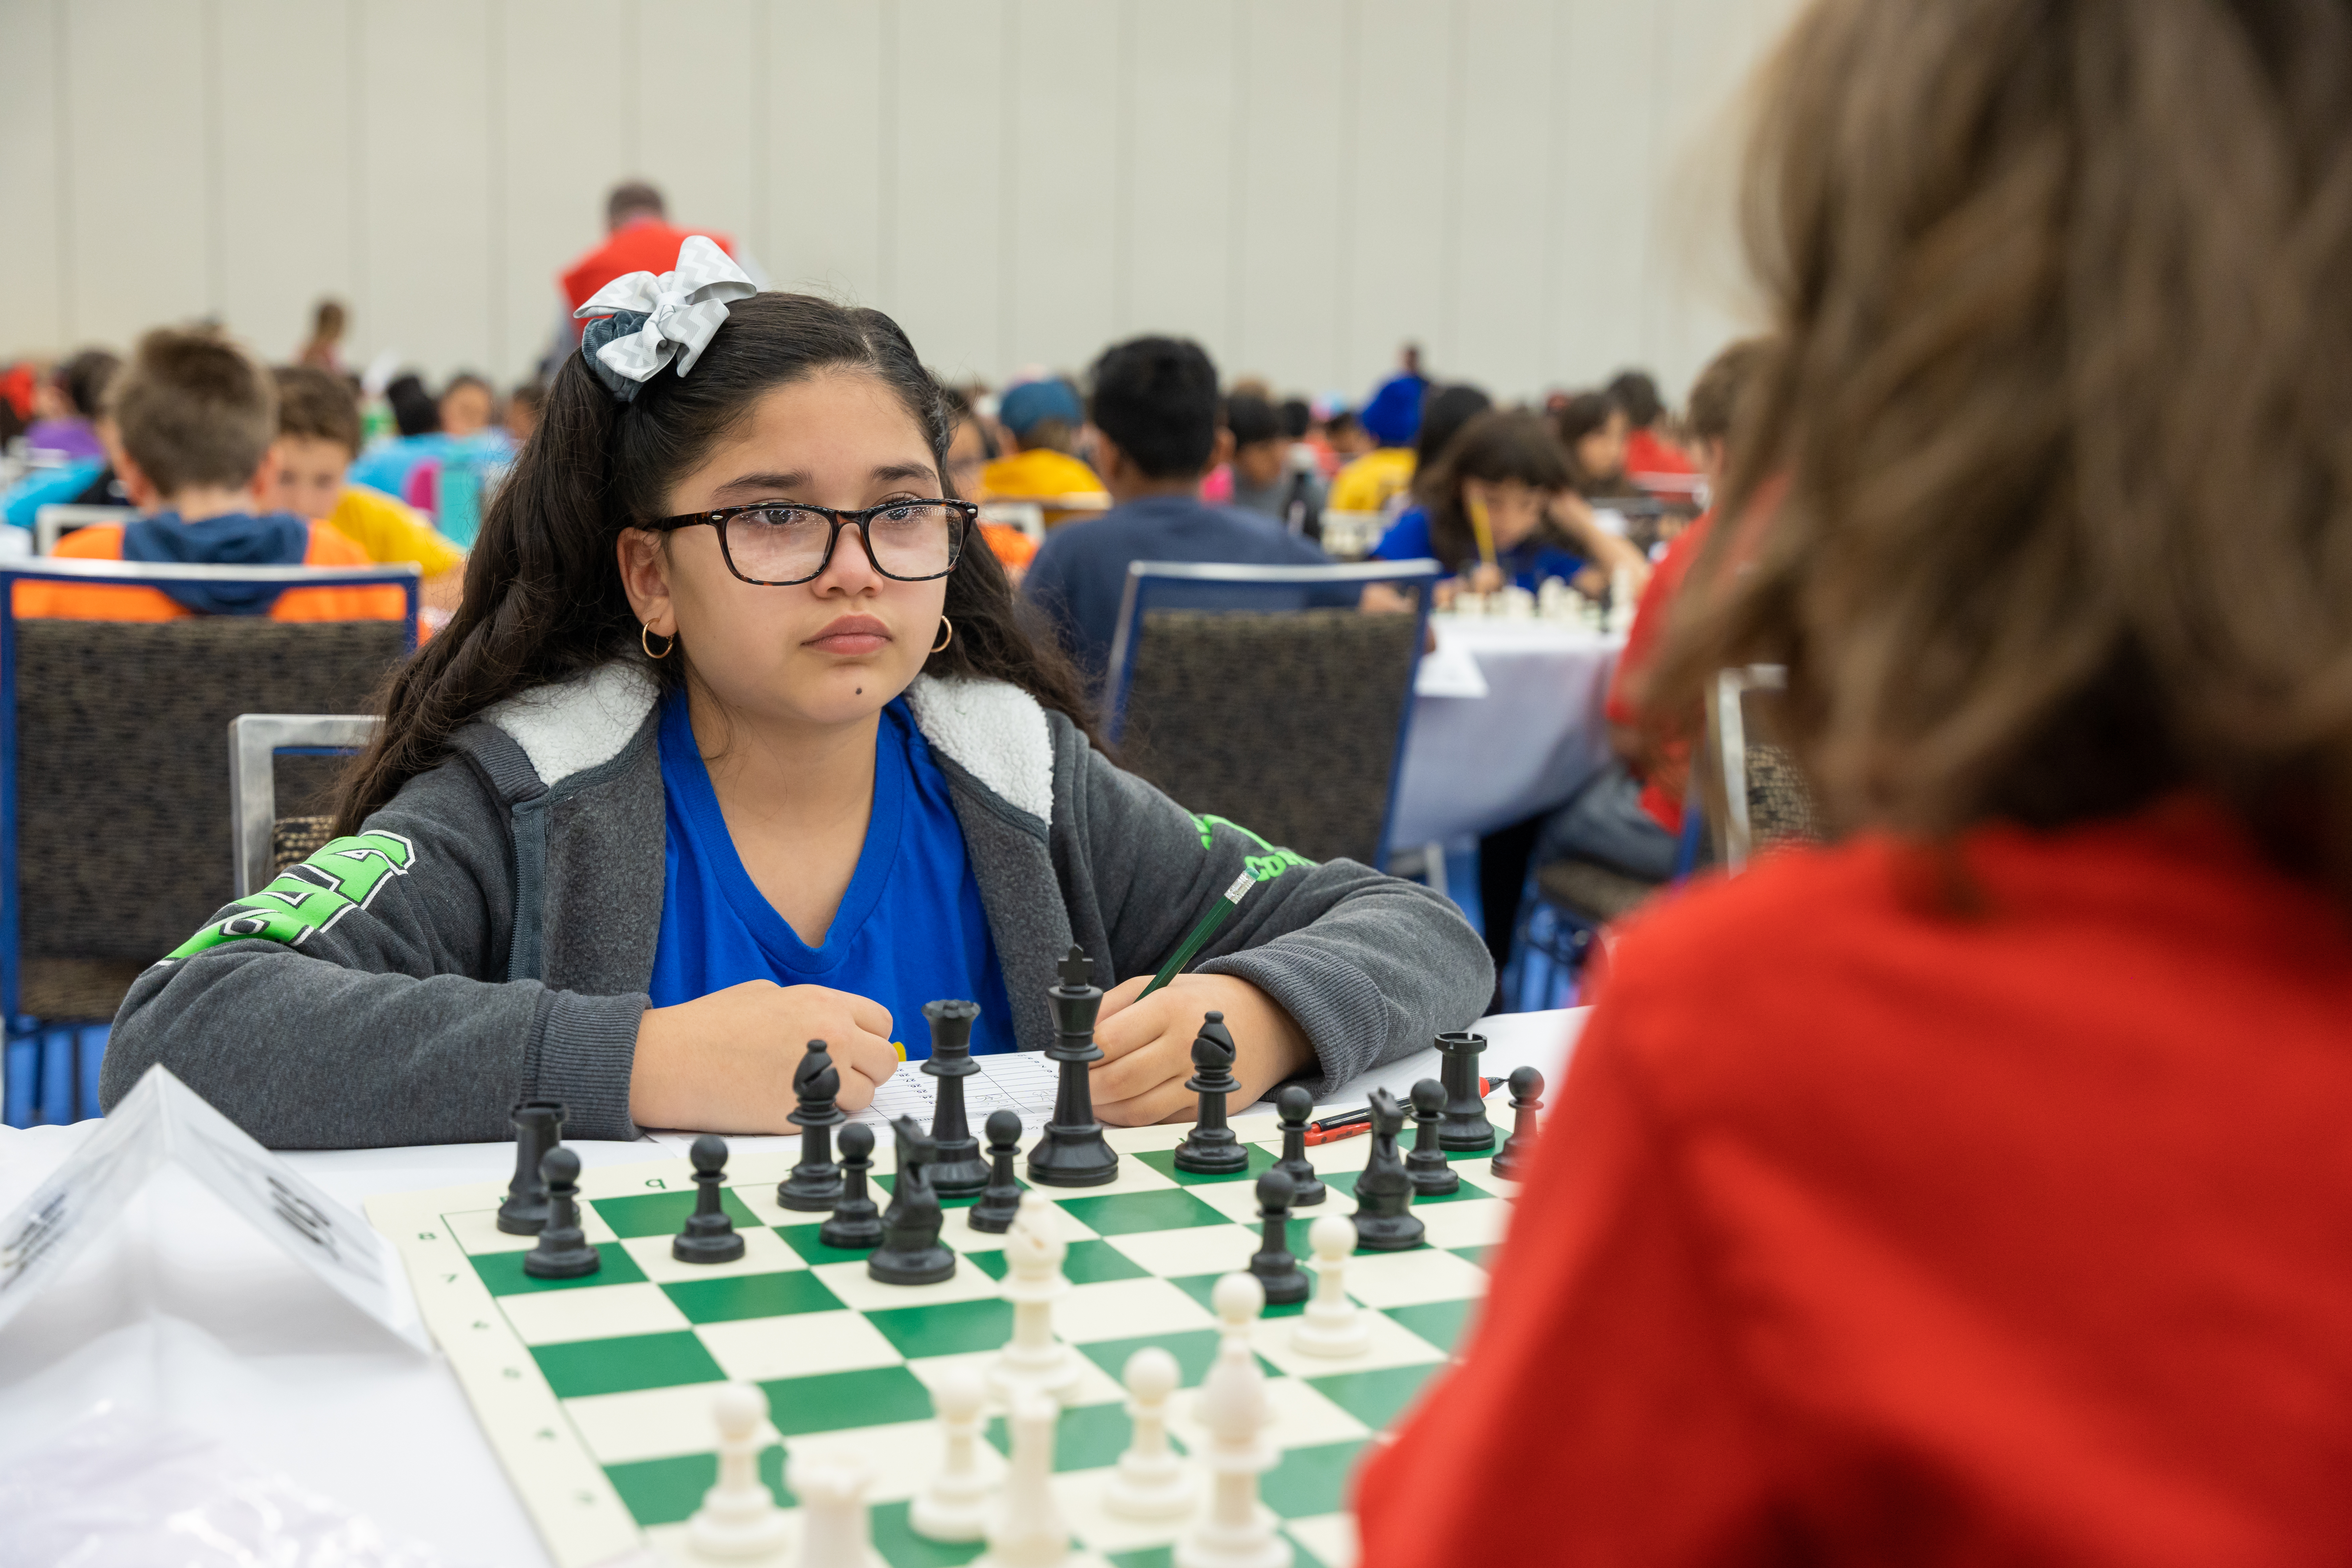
column 597, row 1391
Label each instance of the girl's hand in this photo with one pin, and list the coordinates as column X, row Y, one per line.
column 1147, row 1046
column 723, row 1063
column 1486, row 579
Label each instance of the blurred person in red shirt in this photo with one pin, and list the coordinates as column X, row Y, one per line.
column 638, row 237
column 1975, row 1188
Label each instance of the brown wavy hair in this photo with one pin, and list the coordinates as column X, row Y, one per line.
column 1498, row 445
column 543, row 599
column 2053, row 447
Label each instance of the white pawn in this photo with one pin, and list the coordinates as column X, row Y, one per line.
column 953, row 1505
column 1027, row 1530
column 738, row 1517
column 834, row 1534
column 1331, row 1325
column 1238, row 1532
column 1150, row 1482
column 1035, row 1358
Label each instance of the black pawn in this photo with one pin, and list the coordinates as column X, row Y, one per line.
column 538, row 1127
column 562, row 1252
column 1212, row 1148
column 1526, row 1099
column 1071, row 1152
column 1001, row 1199
column 814, row 1184
column 710, row 1235
column 1464, row 1129
column 1384, row 1218
column 1294, row 1105
column 961, row 1171
column 1432, row 1176
column 910, row 1253
column 857, row 1223
column 1276, row 1268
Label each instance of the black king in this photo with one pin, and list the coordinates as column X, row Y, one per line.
column 1071, row 1152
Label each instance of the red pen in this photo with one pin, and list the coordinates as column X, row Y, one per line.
column 1350, row 1123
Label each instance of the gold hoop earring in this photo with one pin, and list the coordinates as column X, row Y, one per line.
column 645, row 641
column 947, row 634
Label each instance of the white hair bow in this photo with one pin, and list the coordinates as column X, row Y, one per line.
column 649, row 320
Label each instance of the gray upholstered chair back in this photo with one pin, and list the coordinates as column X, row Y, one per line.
column 1288, row 721
column 122, row 779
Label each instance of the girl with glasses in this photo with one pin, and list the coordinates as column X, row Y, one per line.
column 736, row 743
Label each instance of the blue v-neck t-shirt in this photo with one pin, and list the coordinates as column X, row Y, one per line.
column 910, row 929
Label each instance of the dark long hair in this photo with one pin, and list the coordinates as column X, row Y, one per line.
column 543, row 597
column 1500, row 444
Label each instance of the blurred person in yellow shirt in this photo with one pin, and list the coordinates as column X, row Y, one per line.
column 318, row 436
column 1044, row 418
column 1393, row 419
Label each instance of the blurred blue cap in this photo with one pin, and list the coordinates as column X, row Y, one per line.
column 1025, row 405
column 1393, row 415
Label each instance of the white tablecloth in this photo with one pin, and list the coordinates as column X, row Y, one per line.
column 1475, row 763
column 184, row 1312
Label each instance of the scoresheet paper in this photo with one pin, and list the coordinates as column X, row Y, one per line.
column 164, row 1121
column 1020, row 1081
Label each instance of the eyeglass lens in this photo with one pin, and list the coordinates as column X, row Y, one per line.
column 786, row 544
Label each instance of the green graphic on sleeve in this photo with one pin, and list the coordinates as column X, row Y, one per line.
column 1263, row 868
column 346, row 874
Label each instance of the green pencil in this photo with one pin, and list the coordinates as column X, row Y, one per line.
column 1202, row 929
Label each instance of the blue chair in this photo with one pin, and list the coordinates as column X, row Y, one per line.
column 1262, row 694
column 114, row 822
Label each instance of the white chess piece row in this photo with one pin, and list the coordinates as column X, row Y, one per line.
column 964, row 1500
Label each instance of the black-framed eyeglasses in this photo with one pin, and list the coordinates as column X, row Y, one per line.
column 774, row 545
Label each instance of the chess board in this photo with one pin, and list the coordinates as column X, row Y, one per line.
column 596, row 1393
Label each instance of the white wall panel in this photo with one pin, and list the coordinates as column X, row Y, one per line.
column 434, row 258
column 941, row 226
column 1500, row 263
column 32, row 263
column 139, row 200
column 825, row 107
column 1301, row 185
column 1181, row 111
column 1399, row 210
column 1287, row 245
column 702, row 85
column 565, row 93
column 1061, row 183
column 1604, row 172
column 285, row 214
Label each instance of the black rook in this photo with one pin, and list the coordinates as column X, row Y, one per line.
column 1464, row 1126
column 959, row 1172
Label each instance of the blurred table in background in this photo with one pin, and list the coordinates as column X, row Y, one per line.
column 1506, row 723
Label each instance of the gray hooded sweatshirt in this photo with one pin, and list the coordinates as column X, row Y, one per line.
column 489, row 936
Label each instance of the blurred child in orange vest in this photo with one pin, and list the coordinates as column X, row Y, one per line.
column 196, row 418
